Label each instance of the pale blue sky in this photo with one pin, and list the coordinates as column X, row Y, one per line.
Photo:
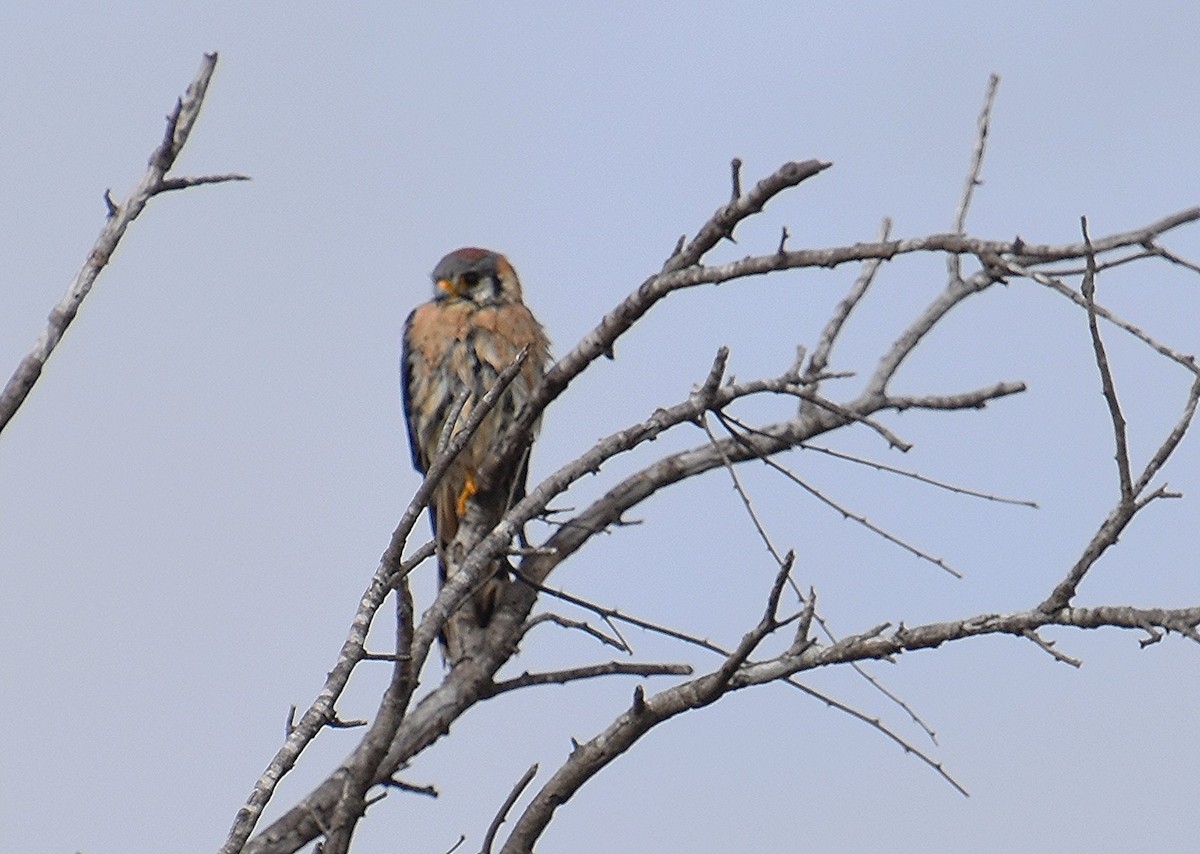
column 195, row 494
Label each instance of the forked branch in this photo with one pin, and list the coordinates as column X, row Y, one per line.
column 179, row 127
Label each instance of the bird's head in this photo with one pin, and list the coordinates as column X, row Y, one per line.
column 478, row 275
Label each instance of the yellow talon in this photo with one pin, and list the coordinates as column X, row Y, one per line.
column 468, row 492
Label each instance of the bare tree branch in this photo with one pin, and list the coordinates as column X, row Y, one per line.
column 1003, row 252
column 1120, row 433
column 845, row 512
column 735, row 673
column 179, row 127
column 427, row 791
column 837, row 320
column 618, row 615
column 735, row 168
column 1122, row 514
column 574, row 674
column 1057, row 285
column 647, row 712
column 502, row 813
column 1172, row 440
column 1154, row 248
column 558, row 619
column 744, row 496
column 917, row 476
column 809, row 601
column 200, row 180
column 877, row 724
column 1050, row 648
column 953, row 261
column 600, row 340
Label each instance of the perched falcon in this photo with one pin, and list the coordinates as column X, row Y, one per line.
column 473, row 329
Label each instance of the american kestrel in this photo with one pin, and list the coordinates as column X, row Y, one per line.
column 472, row 329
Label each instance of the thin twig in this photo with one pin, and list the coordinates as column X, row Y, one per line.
column 977, row 399
column 745, row 498
column 1101, row 265
column 614, row 614
column 1060, row 287
column 337, row 723
column 1050, row 648
column 953, row 260
column 860, row 519
column 1162, row 252
column 590, row 671
column 411, row 562
column 1120, row 435
column 880, row 726
column 850, row 415
column 837, row 320
column 168, row 184
column 502, row 813
column 917, row 476
column 429, row 790
column 862, row 671
column 1172, row 440
column 567, row 623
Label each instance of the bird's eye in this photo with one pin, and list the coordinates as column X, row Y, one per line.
column 470, row 278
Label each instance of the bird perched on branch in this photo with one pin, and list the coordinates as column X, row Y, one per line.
column 474, row 327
